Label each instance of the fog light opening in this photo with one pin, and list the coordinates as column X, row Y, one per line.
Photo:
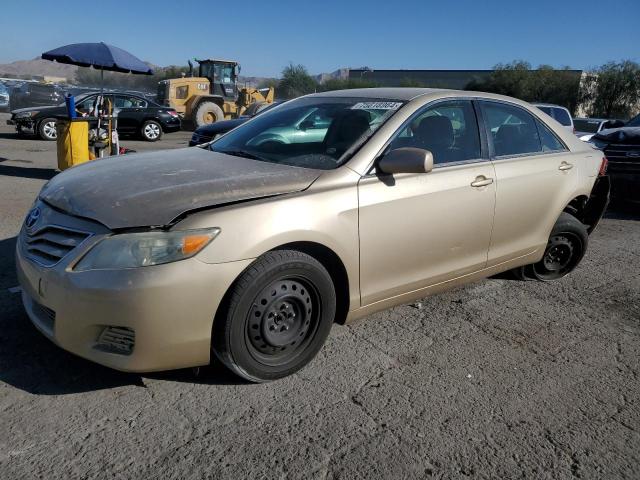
column 119, row 340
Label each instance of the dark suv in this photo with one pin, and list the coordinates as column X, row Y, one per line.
column 35, row 95
column 621, row 146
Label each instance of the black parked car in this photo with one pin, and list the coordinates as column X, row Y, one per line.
column 30, row 94
column 621, row 146
column 206, row 133
column 136, row 115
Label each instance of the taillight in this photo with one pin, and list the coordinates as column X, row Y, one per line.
column 603, row 166
column 173, row 113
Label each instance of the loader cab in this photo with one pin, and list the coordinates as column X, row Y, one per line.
column 223, row 77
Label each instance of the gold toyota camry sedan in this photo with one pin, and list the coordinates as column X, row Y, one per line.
column 325, row 209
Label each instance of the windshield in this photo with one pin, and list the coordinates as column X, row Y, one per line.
column 311, row 132
column 634, row 122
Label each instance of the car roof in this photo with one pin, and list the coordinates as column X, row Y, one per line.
column 590, row 119
column 553, row 105
column 391, row 93
column 407, row 94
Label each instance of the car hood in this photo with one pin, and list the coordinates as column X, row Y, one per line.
column 51, row 108
column 154, row 188
column 623, row 135
column 222, row 126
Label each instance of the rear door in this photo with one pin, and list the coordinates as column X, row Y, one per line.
column 536, row 176
column 421, row 229
column 131, row 112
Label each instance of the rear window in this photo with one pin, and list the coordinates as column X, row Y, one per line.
column 562, row 116
column 587, row 126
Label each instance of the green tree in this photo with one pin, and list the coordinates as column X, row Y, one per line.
column 296, row 81
column 612, row 90
column 411, row 83
column 345, row 83
column 544, row 84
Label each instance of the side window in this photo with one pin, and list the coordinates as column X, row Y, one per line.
column 182, row 92
column 550, row 143
column 85, row 105
column 562, row 116
column 449, row 130
column 138, row 102
column 513, row 129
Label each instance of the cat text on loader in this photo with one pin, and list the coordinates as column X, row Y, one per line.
column 211, row 96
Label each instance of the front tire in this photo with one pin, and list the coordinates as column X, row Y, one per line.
column 565, row 249
column 206, row 113
column 276, row 317
column 151, row 131
column 47, row 129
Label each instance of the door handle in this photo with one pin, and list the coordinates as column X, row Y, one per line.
column 565, row 166
column 481, row 181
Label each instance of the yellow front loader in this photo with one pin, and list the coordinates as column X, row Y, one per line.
column 213, row 95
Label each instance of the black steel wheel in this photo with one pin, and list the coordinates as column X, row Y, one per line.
column 276, row 317
column 565, row 248
column 283, row 319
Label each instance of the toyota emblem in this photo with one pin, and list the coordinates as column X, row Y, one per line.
column 32, row 218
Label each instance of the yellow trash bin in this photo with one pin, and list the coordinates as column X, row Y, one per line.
column 72, row 143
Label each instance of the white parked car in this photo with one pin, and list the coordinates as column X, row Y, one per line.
column 558, row 113
column 588, row 127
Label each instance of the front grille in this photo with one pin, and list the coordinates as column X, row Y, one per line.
column 45, row 316
column 117, row 340
column 50, row 244
column 623, row 153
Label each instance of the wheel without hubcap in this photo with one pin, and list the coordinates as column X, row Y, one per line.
column 565, row 248
column 563, row 253
column 283, row 319
column 277, row 316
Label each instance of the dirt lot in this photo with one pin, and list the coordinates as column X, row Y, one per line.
column 502, row 379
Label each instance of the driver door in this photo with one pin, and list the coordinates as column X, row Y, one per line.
column 417, row 230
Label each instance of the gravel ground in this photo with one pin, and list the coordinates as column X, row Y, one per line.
column 501, row 379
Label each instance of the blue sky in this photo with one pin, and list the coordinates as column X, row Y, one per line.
column 325, row 35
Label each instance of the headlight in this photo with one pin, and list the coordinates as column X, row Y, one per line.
column 130, row 250
column 26, row 114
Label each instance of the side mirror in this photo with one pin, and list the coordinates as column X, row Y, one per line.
column 306, row 124
column 406, row 160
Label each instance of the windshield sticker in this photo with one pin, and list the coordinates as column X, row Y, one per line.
column 377, row 106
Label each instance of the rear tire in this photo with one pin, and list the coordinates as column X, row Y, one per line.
column 151, row 131
column 565, row 249
column 206, row 113
column 47, row 129
column 276, row 316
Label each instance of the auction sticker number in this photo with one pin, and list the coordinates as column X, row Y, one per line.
column 377, row 106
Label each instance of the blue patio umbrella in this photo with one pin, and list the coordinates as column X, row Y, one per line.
column 100, row 56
